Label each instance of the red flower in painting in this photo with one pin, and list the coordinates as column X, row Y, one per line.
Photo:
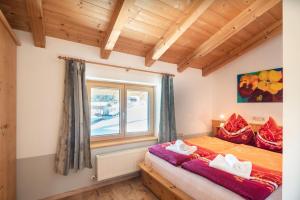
column 247, row 85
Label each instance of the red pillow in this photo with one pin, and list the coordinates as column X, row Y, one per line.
column 269, row 136
column 236, row 130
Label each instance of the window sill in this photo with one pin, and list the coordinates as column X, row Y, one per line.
column 115, row 142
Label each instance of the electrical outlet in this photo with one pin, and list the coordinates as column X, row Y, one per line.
column 258, row 119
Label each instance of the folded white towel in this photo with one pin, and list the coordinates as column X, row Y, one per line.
column 231, row 159
column 181, row 148
column 232, row 165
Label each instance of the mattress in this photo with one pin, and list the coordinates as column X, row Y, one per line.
column 194, row 185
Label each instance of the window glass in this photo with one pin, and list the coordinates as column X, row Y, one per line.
column 105, row 111
column 137, row 111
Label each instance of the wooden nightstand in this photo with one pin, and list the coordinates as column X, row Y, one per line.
column 215, row 127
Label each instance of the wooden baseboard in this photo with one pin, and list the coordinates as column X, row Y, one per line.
column 93, row 187
column 160, row 186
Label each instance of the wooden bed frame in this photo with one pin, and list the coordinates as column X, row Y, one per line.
column 160, row 186
column 164, row 189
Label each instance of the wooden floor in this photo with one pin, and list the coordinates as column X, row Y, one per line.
column 132, row 189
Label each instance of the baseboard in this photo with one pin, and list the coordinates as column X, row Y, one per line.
column 93, row 187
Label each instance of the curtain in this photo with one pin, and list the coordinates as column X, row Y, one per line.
column 167, row 126
column 73, row 151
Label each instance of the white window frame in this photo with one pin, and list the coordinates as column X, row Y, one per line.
column 123, row 87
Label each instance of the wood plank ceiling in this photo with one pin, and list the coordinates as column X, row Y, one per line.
column 203, row 34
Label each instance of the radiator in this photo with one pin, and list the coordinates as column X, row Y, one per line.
column 119, row 163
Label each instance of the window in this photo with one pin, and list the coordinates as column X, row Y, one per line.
column 120, row 110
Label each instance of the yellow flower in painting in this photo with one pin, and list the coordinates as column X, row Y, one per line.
column 269, row 81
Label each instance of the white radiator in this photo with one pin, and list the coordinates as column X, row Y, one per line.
column 119, row 163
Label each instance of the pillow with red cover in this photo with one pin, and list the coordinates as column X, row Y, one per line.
column 269, row 136
column 236, row 130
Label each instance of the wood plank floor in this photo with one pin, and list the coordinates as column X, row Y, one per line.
column 132, row 189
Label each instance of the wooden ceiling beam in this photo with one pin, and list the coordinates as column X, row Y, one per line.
column 258, row 39
column 119, row 18
column 9, row 29
column 250, row 14
column 191, row 14
column 36, row 19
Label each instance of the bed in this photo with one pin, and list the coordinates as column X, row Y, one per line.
column 170, row 182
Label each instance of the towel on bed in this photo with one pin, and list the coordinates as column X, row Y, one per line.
column 181, row 148
column 229, row 163
column 175, row 158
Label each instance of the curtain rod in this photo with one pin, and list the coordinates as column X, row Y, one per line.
column 115, row 66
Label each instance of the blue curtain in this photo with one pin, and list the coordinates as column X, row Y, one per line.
column 167, row 126
column 73, row 151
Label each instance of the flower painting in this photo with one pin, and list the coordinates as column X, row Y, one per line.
column 261, row 86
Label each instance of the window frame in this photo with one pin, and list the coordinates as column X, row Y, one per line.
column 123, row 87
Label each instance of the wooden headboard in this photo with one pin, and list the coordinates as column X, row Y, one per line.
column 216, row 126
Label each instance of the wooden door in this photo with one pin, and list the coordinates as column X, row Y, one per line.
column 7, row 112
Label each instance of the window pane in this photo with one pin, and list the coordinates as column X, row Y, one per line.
column 137, row 111
column 105, row 111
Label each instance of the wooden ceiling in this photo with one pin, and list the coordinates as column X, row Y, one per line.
column 204, row 34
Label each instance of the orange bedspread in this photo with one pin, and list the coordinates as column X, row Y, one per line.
column 260, row 157
column 211, row 143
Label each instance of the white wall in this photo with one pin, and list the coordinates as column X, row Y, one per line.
column 197, row 100
column 291, row 104
column 40, row 76
column 266, row 56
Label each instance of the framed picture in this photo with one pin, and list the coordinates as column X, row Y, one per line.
column 260, row 86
